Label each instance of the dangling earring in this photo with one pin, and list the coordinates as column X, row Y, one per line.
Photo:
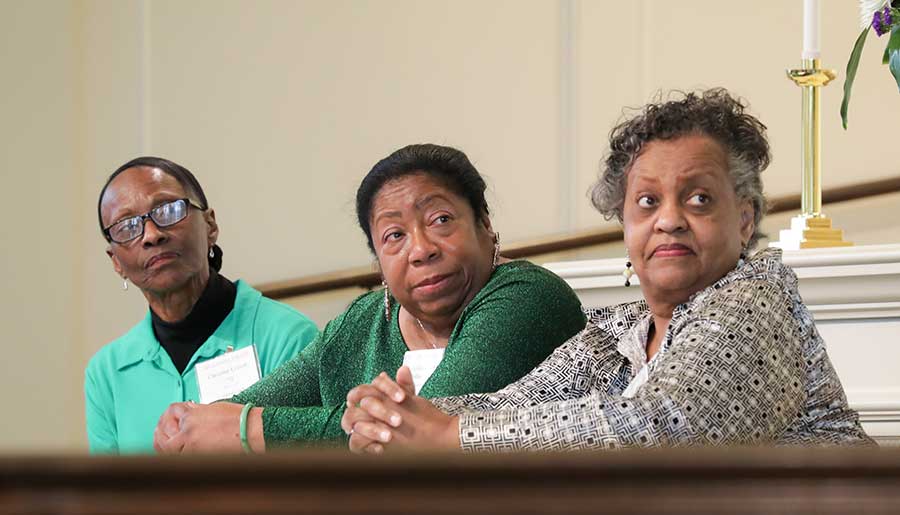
column 743, row 257
column 211, row 253
column 628, row 272
column 496, row 250
column 387, row 302
column 124, row 284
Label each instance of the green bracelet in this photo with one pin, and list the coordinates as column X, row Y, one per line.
column 244, row 443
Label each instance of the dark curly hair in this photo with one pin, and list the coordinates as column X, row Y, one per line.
column 713, row 112
column 180, row 174
column 447, row 164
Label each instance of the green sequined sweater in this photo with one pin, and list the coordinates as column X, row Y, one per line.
column 520, row 316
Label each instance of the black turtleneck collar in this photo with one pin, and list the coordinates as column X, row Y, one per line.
column 182, row 339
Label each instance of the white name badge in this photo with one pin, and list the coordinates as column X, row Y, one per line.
column 228, row 374
column 422, row 363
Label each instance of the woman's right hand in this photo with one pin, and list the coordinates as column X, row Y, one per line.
column 169, row 424
column 366, row 411
column 397, row 417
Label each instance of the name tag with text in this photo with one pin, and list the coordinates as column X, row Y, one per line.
column 228, row 374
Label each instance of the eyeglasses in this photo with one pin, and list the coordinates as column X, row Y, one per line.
column 163, row 215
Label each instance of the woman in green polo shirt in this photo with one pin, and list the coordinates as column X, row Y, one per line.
column 463, row 318
column 162, row 238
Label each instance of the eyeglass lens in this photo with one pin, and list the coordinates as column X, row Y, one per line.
column 163, row 215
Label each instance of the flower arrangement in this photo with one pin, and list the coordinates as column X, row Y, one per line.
column 882, row 16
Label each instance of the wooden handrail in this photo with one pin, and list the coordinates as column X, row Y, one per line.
column 366, row 277
column 683, row 480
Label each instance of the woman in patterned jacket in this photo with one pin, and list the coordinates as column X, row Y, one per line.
column 721, row 350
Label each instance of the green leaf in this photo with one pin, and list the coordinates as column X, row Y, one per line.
column 892, row 53
column 893, row 44
column 895, row 66
column 852, row 65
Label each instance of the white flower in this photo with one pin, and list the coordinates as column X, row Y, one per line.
column 867, row 8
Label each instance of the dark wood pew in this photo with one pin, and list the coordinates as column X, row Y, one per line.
column 695, row 481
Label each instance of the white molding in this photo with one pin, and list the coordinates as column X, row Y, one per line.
column 855, row 311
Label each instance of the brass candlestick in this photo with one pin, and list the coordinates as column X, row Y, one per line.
column 811, row 228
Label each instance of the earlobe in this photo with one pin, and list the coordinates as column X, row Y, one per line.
column 115, row 262
column 747, row 225
column 486, row 223
column 213, row 234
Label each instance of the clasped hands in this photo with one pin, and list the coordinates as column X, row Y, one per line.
column 188, row 427
column 387, row 414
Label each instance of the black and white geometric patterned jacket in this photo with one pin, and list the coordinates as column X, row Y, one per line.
column 741, row 363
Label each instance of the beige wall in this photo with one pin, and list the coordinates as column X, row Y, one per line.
column 281, row 107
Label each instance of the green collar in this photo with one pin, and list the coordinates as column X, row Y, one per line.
column 141, row 344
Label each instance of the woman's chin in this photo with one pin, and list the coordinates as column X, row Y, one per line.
column 165, row 281
column 676, row 283
column 440, row 307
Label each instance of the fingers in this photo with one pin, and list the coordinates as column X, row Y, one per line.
column 381, row 385
column 359, row 444
column 405, row 380
column 381, row 411
column 170, row 420
column 158, row 439
column 373, row 399
column 375, row 431
column 357, row 394
column 352, row 415
column 174, row 445
column 388, row 387
column 375, row 448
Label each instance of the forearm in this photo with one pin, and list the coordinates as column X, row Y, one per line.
column 566, row 425
column 513, row 396
column 572, row 371
column 283, row 426
column 255, row 437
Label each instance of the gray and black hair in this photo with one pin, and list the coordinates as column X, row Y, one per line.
column 714, row 113
column 180, row 174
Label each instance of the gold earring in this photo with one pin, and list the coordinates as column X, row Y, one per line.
column 496, row 250
column 387, row 302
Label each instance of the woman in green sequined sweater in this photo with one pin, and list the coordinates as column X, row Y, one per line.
column 465, row 319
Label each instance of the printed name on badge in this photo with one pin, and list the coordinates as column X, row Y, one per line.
column 228, row 374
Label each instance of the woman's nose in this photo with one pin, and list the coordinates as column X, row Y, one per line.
column 152, row 234
column 670, row 218
column 423, row 249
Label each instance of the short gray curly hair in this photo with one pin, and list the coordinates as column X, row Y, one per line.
column 714, row 113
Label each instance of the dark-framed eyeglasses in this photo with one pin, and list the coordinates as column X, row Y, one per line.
column 164, row 215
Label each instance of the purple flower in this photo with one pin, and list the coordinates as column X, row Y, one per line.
column 877, row 24
column 887, row 19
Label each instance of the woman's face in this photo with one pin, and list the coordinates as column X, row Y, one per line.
column 434, row 254
column 162, row 259
column 684, row 225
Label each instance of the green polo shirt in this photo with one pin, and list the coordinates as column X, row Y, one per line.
column 131, row 381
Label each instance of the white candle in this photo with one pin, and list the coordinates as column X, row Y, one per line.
column 811, row 29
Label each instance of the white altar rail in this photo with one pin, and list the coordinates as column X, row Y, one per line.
column 854, row 294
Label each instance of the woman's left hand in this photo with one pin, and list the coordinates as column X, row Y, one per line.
column 402, row 419
column 214, row 428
